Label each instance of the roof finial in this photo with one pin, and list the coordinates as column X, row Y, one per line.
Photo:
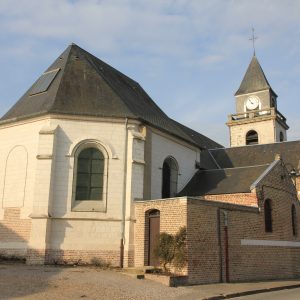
column 253, row 38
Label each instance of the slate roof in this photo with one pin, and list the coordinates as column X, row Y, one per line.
column 258, row 155
column 87, row 86
column 254, row 79
column 222, row 181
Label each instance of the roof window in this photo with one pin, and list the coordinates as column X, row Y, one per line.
column 44, row 82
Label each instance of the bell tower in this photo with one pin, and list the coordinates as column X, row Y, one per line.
column 257, row 119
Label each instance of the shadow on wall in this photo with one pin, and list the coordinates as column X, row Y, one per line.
column 16, row 278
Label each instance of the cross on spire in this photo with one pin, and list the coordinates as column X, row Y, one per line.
column 253, row 38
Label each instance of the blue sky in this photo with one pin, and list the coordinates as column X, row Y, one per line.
column 189, row 55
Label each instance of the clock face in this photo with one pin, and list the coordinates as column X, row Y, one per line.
column 252, row 102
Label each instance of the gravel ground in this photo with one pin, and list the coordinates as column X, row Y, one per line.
column 19, row 281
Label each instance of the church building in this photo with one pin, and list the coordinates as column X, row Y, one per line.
column 91, row 169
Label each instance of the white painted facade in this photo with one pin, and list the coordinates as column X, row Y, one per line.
column 184, row 154
column 38, row 167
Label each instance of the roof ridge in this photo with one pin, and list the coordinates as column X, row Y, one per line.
column 243, row 167
column 62, row 70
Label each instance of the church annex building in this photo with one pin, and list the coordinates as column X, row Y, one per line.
column 91, row 168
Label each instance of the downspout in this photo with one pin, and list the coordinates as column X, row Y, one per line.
column 220, row 246
column 275, row 133
column 226, row 245
column 122, row 240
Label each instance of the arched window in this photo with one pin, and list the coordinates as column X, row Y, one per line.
column 169, row 178
column 294, row 220
column 90, row 178
column 90, row 169
column 268, row 215
column 251, row 137
column 281, row 136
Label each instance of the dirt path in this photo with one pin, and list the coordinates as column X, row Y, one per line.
column 20, row 281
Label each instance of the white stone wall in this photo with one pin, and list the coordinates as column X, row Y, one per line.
column 50, row 144
column 85, row 235
column 86, row 228
column 264, row 129
column 18, row 150
column 72, row 133
column 185, row 155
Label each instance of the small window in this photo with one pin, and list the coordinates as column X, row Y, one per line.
column 294, row 220
column 169, row 178
column 44, row 82
column 273, row 102
column 281, row 136
column 251, row 137
column 268, row 215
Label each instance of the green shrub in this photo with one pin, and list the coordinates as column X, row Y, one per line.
column 171, row 249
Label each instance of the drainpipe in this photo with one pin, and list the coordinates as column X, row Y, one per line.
column 226, row 245
column 122, row 240
column 220, row 246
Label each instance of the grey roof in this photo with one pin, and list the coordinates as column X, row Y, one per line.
column 222, row 181
column 87, row 86
column 258, row 155
column 254, row 79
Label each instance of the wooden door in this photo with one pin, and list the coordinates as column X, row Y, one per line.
column 154, row 225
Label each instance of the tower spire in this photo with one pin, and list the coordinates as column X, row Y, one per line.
column 253, row 38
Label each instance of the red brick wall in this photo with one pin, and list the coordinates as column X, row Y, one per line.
column 173, row 215
column 206, row 232
column 249, row 199
column 14, row 230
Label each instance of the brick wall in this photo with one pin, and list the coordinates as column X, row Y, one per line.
column 249, row 199
column 203, row 244
column 14, row 233
column 173, row 215
column 253, row 253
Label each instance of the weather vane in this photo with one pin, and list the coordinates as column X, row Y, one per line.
column 253, row 38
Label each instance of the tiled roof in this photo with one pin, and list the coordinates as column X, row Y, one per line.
column 258, row 155
column 222, row 181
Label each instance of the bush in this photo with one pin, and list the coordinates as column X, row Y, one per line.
column 171, row 249
column 98, row 262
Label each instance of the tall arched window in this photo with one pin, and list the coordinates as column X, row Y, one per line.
column 90, row 169
column 251, row 137
column 294, row 220
column 90, row 178
column 169, row 178
column 268, row 215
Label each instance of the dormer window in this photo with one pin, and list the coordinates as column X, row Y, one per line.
column 44, row 82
